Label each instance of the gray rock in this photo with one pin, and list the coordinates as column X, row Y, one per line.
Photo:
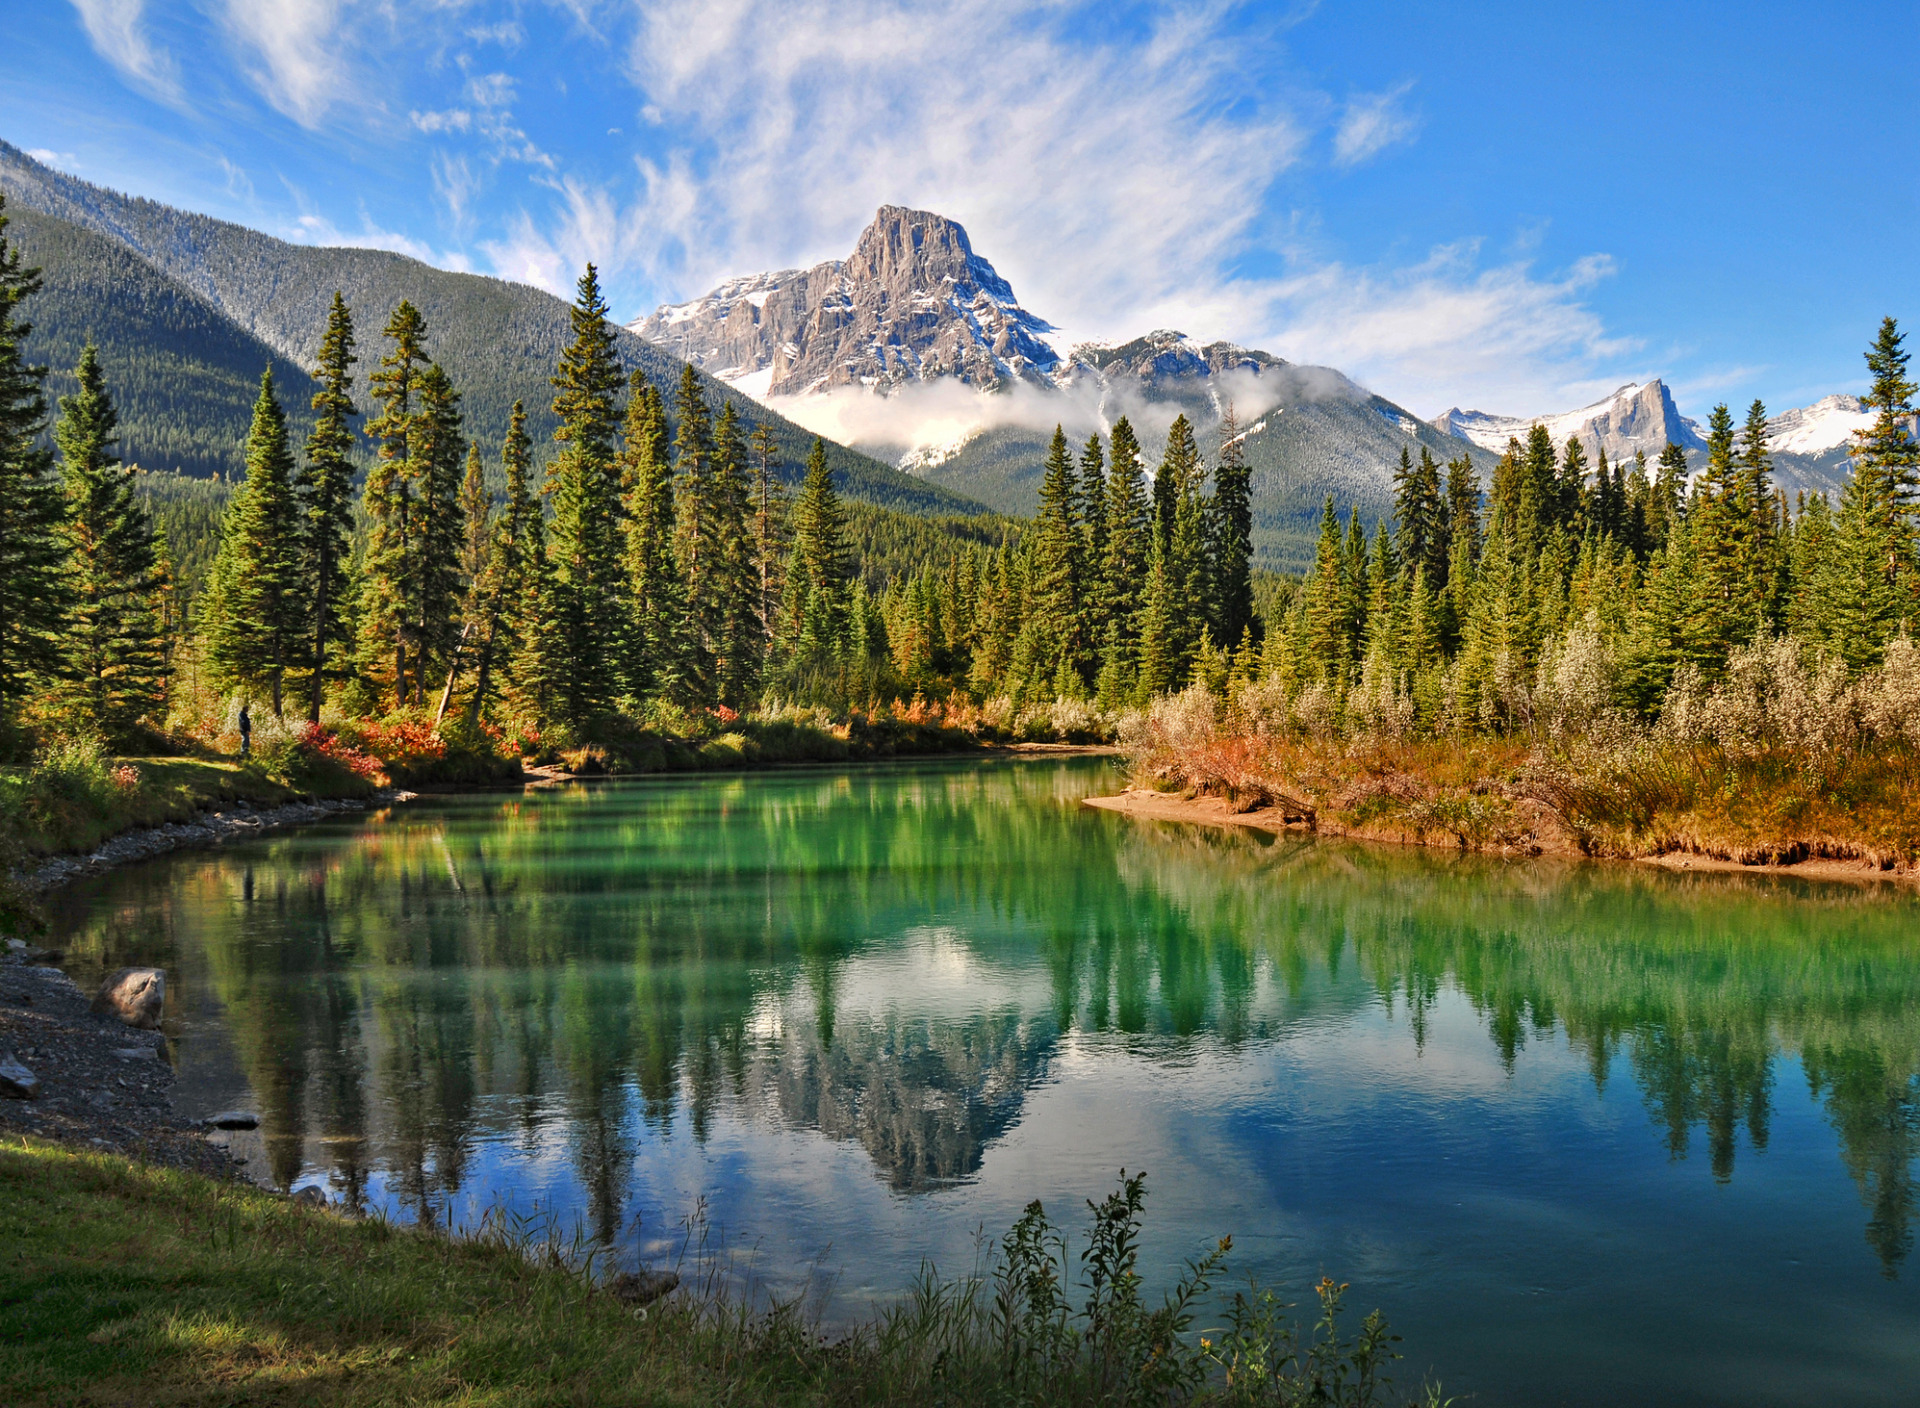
column 642, row 1287
column 311, row 1197
column 137, row 996
column 16, row 1081
column 234, row 1119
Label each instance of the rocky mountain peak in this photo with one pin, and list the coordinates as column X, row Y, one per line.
column 912, row 302
column 1634, row 419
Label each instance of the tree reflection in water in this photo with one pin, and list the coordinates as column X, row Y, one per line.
column 895, row 956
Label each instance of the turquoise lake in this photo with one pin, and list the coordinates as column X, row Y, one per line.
column 1587, row 1134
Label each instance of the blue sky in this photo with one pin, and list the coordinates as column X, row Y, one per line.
column 1504, row 207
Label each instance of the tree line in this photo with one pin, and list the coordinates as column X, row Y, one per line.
column 1450, row 609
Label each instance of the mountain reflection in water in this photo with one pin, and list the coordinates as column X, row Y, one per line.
column 900, row 956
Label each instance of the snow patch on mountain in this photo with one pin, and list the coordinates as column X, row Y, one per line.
column 1638, row 418
column 1827, row 424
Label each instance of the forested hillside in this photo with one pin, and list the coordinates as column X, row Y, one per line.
column 497, row 341
column 184, row 376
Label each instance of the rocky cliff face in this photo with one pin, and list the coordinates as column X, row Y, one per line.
column 1632, row 420
column 911, row 303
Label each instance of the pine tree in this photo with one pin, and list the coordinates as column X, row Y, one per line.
column 32, row 552
column 476, row 542
column 580, row 652
column 815, row 610
column 1230, row 524
column 505, row 618
column 438, row 448
column 734, row 584
column 1130, row 531
column 1094, row 604
column 395, row 515
column 770, row 529
column 694, row 531
column 1763, row 569
column 1886, row 459
column 1328, row 619
column 325, row 486
column 1179, row 473
column 656, row 654
column 255, row 616
column 116, row 653
column 1047, row 657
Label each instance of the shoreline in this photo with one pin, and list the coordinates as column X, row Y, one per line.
column 1148, row 805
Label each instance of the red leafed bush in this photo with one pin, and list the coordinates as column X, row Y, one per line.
column 325, row 743
column 403, row 743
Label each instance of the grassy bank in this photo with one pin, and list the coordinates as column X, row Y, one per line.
column 1752, row 778
column 127, row 1283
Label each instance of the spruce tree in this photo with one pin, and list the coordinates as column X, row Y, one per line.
column 1179, row 473
column 580, row 651
column 32, row 552
column 506, row 595
column 436, row 581
column 815, row 609
column 1230, row 523
column 255, row 616
column 1328, row 620
column 326, row 486
column 655, row 657
column 737, row 641
column 1094, row 606
column 1130, row 533
column 116, row 652
column 1049, row 650
column 770, row 528
column 395, row 513
column 694, row 537
column 1886, row 460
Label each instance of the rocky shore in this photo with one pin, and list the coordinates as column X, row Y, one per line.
column 207, row 829
column 87, row 1078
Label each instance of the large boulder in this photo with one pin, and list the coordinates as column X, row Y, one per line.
column 137, row 996
column 16, row 1081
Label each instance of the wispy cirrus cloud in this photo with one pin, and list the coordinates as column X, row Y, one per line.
column 1371, row 123
column 295, row 53
column 118, row 33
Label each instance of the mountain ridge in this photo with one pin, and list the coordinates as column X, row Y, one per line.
column 498, row 340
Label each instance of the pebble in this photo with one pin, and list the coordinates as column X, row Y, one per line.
column 16, row 1081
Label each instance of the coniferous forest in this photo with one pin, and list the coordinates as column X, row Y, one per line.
column 382, row 584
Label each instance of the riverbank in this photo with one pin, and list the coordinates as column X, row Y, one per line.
column 1532, row 829
column 133, row 1282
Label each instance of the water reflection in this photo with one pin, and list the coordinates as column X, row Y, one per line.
column 898, row 957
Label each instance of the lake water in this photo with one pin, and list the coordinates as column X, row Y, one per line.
column 1588, row 1134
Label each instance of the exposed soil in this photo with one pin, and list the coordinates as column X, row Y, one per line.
column 1546, row 836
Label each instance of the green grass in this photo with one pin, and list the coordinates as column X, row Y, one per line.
column 128, row 1284
column 72, row 800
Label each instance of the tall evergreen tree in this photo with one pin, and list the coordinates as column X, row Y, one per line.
column 396, row 515
column 1179, row 473
column 815, row 609
column 770, row 528
column 507, row 598
column 1886, row 459
column 1047, row 659
column 32, row 554
column 734, row 612
column 116, row 654
column 325, row 486
column 1130, row 532
column 436, row 580
column 656, row 654
column 255, row 616
column 580, row 661
column 1328, row 617
column 1093, row 554
column 1230, row 524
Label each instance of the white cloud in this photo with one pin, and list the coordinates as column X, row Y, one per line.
column 118, row 35
column 297, row 49
column 450, row 120
column 1103, row 178
column 1371, row 123
column 65, row 161
column 1448, row 331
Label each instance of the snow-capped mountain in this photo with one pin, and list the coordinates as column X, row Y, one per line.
column 966, row 385
column 1635, row 419
column 1828, row 424
column 913, row 302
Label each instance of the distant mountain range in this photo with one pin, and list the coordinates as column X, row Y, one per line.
column 916, row 350
column 188, row 309
column 1809, row 444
